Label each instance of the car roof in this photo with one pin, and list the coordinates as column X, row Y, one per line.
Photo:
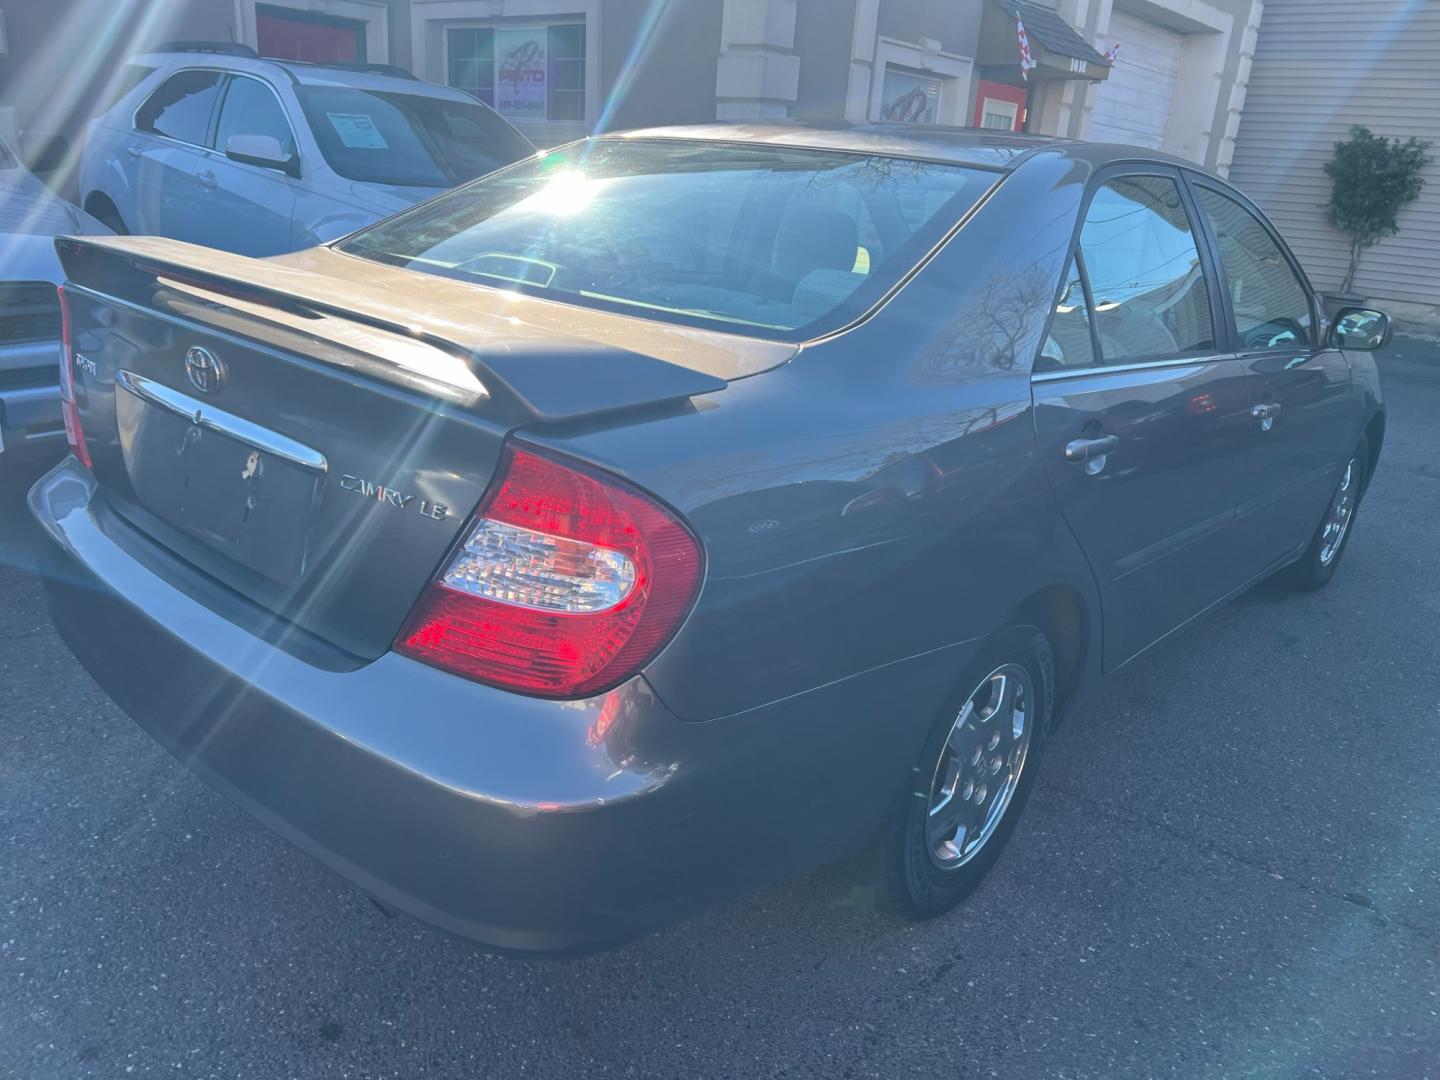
column 951, row 145
column 305, row 74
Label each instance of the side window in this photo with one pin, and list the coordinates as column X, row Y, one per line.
column 1145, row 275
column 251, row 108
column 1069, row 343
column 1271, row 306
column 180, row 107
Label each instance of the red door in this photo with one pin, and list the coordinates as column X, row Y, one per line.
column 299, row 35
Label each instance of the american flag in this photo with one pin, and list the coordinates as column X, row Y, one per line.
column 1026, row 60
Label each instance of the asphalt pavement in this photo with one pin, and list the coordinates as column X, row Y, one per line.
column 1231, row 868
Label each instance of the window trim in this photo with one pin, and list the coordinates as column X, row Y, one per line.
column 220, row 109
column 1194, row 180
column 1219, row 332
column 221, row 74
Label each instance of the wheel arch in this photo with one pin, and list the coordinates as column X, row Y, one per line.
column 1062, row 615
column 97, row 203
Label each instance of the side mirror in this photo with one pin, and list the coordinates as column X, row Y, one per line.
column 262, row 150
column 1360, row 328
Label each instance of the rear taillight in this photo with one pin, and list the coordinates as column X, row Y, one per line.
column 567, row 583
column 69, row 410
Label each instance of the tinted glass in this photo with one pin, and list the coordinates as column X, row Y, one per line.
column 385, row 138
column 1068, row 344
column 1271, row 306
column 7, row 159
column 180, row 107
column 251, row 108
column 1145, row 275
column 763, row 240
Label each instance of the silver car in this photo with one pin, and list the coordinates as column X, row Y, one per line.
column 215, row 145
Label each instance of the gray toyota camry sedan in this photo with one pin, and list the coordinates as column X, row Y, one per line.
column 670, row 512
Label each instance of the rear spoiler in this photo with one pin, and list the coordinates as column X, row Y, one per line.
column 527, row 374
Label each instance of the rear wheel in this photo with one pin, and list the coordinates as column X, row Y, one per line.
column 1317, row 566
column 972, row 779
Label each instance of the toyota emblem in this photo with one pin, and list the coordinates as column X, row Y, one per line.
column 205, row 370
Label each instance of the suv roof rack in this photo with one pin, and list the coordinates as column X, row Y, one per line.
column 224, row 48
column 395, row 71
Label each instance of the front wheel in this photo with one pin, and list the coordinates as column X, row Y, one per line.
column 972, row 779
column 1317, row 566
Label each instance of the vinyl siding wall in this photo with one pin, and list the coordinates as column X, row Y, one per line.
column 1321, row 66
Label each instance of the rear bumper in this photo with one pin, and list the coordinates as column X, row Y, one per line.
column 527, row 825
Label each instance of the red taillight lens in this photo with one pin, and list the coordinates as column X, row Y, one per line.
column 74, row 433
column 567, row 583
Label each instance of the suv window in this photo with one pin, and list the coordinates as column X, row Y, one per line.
column 1145, row 274
column 180, row 107
column 380, row 137
column 251, row 108
column 1271, row 306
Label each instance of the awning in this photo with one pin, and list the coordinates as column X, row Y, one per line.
column 1056, row 47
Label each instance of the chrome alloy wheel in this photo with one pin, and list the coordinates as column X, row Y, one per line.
column 979, row 767
column 1342, row 509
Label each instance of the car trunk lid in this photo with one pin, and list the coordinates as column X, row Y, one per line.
column 317, row 445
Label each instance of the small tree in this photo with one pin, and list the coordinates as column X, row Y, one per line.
column 1373, row 178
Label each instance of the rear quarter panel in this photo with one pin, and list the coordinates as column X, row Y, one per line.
column 878, row 499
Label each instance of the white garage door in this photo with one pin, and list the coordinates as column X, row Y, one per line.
column 1132, row 105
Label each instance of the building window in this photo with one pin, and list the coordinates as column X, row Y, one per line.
column 525, row 73
column 909, row 98
column 304, row 35
column 998, row 115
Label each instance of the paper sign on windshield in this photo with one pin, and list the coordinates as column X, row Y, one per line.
column 357, row 131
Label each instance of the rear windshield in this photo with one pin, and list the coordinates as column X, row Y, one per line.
column 768, row 241
column 379, row 137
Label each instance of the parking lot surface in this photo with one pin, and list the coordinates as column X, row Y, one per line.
column 1231, row 867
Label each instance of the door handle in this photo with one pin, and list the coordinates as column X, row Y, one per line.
column 1088, row 449
column 207, row 179
column 1266, row 412
column 133, row 151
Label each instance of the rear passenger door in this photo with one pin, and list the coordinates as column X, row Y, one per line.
column 1142, row 413
column 1304, row 421
column 172, row 129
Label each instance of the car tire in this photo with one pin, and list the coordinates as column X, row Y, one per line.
column 926, row 867
column 1317, row 566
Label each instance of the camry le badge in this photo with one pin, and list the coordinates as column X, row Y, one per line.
column 205, row 370
column 390, row 497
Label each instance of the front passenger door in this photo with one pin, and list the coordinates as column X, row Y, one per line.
column 1304, row 422
column 254, row 206
column 1142, row 415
